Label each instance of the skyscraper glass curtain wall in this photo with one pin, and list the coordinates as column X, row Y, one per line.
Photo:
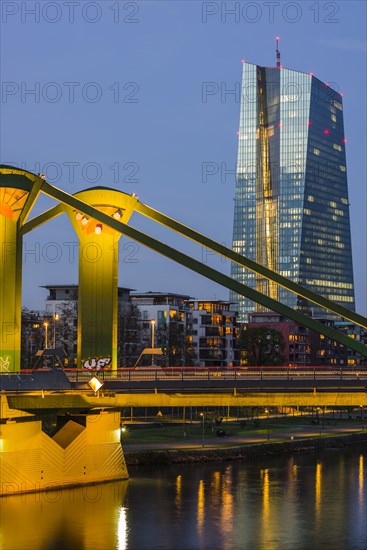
column 291, row 201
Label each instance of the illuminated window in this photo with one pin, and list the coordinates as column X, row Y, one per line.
column 340, row 298
column 316, row 152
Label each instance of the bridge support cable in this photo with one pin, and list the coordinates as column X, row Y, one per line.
column 199, row 238
column 202, row 269
column 296, row 288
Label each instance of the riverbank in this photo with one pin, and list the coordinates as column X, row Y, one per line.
column 245, row 451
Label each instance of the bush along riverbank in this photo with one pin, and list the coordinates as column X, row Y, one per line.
column 240, row 452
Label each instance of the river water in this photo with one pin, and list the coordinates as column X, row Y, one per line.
column 310, row 501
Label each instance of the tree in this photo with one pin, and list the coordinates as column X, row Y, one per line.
column 130, row 342
column 177, row 346
column 66, row 329
column 262, row 346
column 32, row 336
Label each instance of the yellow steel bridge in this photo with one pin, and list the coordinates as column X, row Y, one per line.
column 84, row 450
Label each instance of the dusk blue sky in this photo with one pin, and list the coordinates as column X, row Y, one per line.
column 125, row 94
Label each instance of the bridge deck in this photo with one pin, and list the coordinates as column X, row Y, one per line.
column 59, row 390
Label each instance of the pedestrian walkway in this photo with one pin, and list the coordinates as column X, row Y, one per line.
column 276, row 433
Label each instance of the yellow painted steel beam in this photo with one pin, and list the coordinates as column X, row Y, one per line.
column 19, row 190
column 203, row 269
column 155, row 399
column 243, row 261
column 98, row 273
column 31, row 200
column 75, row 203
column 37, row 221
column 199, row 238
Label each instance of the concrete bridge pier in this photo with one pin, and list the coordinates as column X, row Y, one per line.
column 85, row 449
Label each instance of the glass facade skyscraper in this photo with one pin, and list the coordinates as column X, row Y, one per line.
column 291, row 202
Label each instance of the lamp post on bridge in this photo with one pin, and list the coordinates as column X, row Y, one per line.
column 362, row 418
column 318, row 418
column 152, row 322
column 56, row 318
column 45, row 324
column 267, row 424
column 203, row 420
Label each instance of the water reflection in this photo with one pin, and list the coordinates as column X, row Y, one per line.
column 318, row 489
column 201, row 510
column 122, row 531
column 76, row 518
column 298, row 502
column 226, row 503
column 361, row 487
column 178, row 493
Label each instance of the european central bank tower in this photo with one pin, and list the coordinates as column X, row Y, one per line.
column 291, row 202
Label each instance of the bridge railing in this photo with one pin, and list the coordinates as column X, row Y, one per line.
column 210, row 374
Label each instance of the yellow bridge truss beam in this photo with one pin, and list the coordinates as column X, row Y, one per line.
column 42, row 401
column 71, row 202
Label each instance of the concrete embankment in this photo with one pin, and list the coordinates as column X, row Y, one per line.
column 240, row 452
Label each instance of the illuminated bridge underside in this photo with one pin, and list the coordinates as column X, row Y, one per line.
column 273, row 397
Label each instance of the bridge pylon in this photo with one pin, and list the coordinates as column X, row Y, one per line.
column 18, row 191
column 84, row 448
column 98, row 275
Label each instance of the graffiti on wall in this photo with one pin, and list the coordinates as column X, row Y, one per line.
column 4, row 364
column 96, row 364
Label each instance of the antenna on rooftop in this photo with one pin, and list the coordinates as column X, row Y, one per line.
column 277, row 52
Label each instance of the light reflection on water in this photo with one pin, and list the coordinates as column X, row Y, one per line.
column 299, row 502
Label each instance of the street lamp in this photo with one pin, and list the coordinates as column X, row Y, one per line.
column 95, row 384
column 152, row 322
column 361, row 408
column 318, row 417
column 45, row 324
column 267, row 423
column 203, row 419
column 56, row 318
